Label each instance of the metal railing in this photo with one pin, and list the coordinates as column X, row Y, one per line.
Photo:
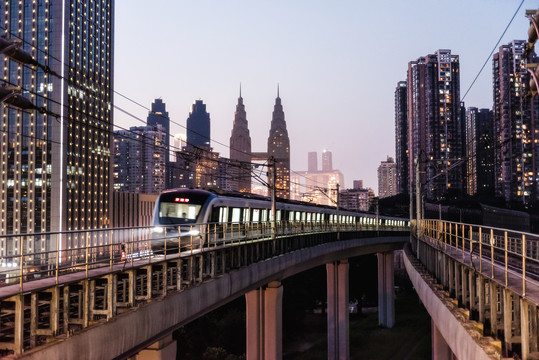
column 30, row 257
column 517, row 252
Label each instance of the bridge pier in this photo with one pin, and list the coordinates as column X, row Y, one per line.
column 163, row 349
column 440, row 349
column 481, row 299
column 386, row 298
column 493, row 308
column 264, row 322
column 338, row 313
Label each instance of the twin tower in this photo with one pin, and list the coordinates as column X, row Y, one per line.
column 278, row 150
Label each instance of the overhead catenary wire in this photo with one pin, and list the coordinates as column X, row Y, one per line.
column 118, row 93
column 111, row 131
column 493, row 50
column 133, row 132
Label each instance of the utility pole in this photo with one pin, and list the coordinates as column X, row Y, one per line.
column 417, row 193
column 337, row 212
column 273, row 172
column 377, row 212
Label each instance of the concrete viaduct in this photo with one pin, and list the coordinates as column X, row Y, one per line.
column 147, row 329
column 482, row 305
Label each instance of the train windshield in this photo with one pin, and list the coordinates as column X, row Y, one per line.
column 179, row 209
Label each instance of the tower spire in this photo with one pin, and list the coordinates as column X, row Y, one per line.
column 277, row 89
column 240, row 89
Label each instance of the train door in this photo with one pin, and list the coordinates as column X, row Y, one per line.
column 219, row 220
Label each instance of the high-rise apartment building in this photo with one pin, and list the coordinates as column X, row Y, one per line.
column 239, row 166
column 515, row 119
column 158, row 115
column 435, row 128
column 479, row 152
column 401, row 136
column 387, row 178
column 198, row 126
column 55, row 169
column 356, row 199
column 139, row 159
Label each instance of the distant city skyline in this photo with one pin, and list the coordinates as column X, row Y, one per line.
column 337, row 81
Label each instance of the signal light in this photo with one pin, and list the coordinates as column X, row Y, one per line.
column 181, row 200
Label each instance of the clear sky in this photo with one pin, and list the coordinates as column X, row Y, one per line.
column 337, row 63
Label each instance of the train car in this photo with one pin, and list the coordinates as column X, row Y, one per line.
column 194, row 217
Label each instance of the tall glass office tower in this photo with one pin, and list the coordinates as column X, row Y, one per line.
column 279, row 149
column 198, row 126
column 56, row 166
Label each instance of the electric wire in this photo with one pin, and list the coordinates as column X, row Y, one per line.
column 493, row 50
column 118, row 93
column 259, row 179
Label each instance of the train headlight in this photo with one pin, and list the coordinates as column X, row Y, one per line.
column 193, row 233
column 158, row 229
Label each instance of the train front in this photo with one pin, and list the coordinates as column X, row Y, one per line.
column 178, row 218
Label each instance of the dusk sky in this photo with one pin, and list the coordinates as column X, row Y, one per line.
column 337, row 64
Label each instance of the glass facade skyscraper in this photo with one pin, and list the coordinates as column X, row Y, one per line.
column 198, row 126
column 158, row 116
column 279, row 149
column 56, row 167
column 240, row 151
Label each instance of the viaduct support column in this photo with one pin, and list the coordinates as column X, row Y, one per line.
column 440, row 349
column 264, row 322
column 160, row 350
column 337, row 299
column 386, row 298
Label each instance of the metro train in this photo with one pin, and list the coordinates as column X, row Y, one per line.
column 205, row 215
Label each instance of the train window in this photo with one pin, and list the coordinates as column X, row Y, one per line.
column 291, row 216
column 278, row 215
column 256, row 215
column 178, row 212
column 246, row 213
column 223, row 214
column 298, row 216
column 308, row 217
column 236, row 215
column 264, row 215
